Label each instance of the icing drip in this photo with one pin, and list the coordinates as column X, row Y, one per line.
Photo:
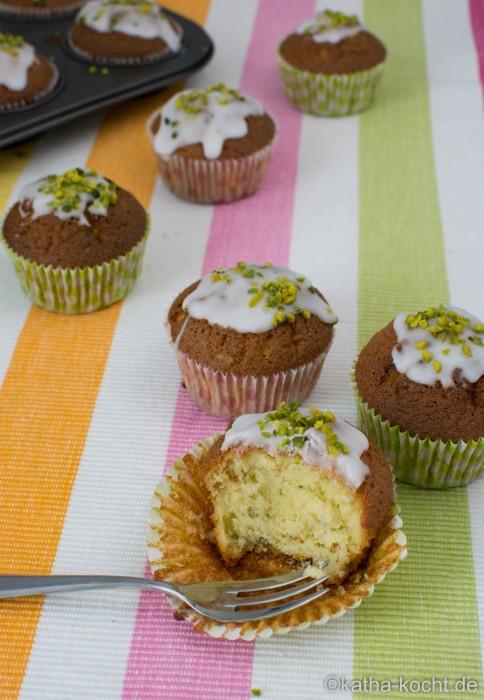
column 254, row 298
column 16, row 57
column 141, row 18
column 68, row 196
column 331, row 27
column 441, row 344
column 317, row 437
column 208, row 116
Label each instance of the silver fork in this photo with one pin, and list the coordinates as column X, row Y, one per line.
column 225, row 601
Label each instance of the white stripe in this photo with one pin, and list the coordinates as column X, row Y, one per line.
column 458, row 137
column 325, row 248
column 65, row 148
column 82, row 644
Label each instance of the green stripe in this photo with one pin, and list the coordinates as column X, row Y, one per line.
column 423, row 621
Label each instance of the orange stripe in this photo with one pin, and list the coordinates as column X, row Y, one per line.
column 49, row 393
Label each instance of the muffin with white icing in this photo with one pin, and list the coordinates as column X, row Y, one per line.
column 124, row 31
column 212, row 145
column 25, row 75
column 76, row 241
column 250, row 336
column 420, row 390
column 299, row 486
column 331, row 65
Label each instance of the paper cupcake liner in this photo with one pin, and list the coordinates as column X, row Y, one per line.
column 119, row 62
column 180, row 550
column 82, row 289
column 329, row 95
column 33, row 13
column 212, row 181
column 430, row 464
column 227, row 395
column 40, row 97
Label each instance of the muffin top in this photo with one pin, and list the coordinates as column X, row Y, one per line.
column 424, row 373
column 142, row 19
column 252, row 319
column 315, row 436
column 216, row 122
column 23, row 73
column 332, row 43
column 75, row 219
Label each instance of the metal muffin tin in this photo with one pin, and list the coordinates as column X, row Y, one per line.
column 81, row 90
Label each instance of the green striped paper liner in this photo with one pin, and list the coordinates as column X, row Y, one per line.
column 424, row 621
column 81, row 289
column 329, row 95
column 431, row 464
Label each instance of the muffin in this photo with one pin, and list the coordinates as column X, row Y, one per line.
column 212, row 145
column 250, row 336
column 39, row 9
column 331, row 65
column 329, row 456
column 76, row 241
column 300, row 485
column 124, row 31
column 25, row 75
column 420, row 391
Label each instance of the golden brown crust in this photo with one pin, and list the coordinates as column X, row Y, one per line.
column 376, row 495
column 356, row 53
column 49, row 240
column 114, row 45
column 260, row 132
column 454, row 414
column 40, row 77
column 287, row 346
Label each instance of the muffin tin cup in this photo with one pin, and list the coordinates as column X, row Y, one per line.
column 212, row 181
column 430, row 464
column 32, row 13
column 82, row 289
column 180, row 550
column 329, row 95
column 21, row 104
column 227, row 395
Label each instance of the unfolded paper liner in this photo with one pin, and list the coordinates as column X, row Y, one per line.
column 226, row 395
column 431, row 464
column 37, row 13
column 40, row 97
column 212, row 181
column 180, row 550
column 329, row 95
column 81, row 289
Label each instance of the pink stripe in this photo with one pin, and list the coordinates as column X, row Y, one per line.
column 167, row 659
column 476, row 10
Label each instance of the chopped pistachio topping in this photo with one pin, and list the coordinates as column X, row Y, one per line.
column 195, row 101
column 447, row 327
column 11, row 43
column 331, row 19
column 66, row 189
column 256, row 692
column 290, row 426
column 274, row 294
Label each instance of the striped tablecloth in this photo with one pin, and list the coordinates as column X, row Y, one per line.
column 384, row 212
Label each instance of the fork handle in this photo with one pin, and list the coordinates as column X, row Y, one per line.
column 13, row 586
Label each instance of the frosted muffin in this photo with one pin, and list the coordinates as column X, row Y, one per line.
column 298, row 485
column 124, row 31
column 331, row 65
column 212, row 145
column 250, row 336
column 25, row 75
column 420, row 388
column 76, row 241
